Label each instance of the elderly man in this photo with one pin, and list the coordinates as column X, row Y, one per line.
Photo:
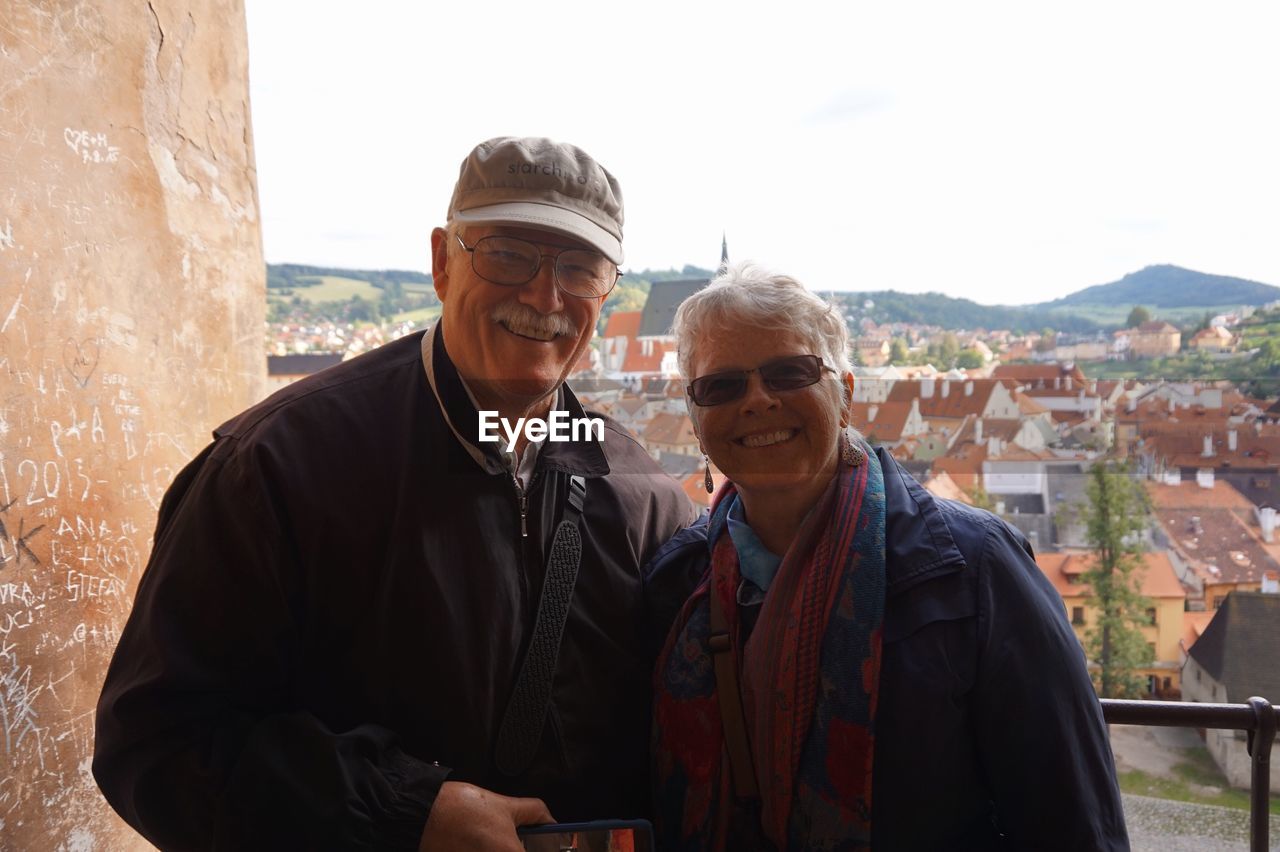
column 372, row 618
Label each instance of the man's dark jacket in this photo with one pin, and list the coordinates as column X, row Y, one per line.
column 335, row 612
column 988, row 734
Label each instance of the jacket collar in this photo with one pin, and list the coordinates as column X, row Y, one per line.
column 918, row 542
column 583, row 458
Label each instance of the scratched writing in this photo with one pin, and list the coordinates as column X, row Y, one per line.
column 18, row 715
column 16, row 548
column 91, row 147
column 81, row 358
column 17, row 593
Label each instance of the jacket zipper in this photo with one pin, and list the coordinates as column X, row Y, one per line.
column 522, row 500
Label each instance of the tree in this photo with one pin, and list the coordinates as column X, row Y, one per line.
column 1137, row 317
column 898, row 353
column 969, row 359
column 1115, row 516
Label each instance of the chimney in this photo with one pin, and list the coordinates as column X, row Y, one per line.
column 977, row 431
column 1207, row 452
column 1204, row 477
column 968, row 388
column 926, row 388
column 1068, row 383
column 1057, row 382
column 946, row 388
column 1270, row 583
column 994, row 447
column 1267, row 520
column 872, row 411
column 1196, row 529
column 1231, row 440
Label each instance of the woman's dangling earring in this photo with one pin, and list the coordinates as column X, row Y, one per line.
column 851, row 454
column 707, row 482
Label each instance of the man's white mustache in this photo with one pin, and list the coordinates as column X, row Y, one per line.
column 523, row 319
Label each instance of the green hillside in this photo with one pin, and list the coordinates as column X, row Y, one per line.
column 947, row 312
column 299, row 293
column 1167, row 286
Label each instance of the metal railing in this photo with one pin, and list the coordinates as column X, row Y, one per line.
column 1259, row 718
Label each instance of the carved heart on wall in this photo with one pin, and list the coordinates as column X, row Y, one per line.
column 81, row 359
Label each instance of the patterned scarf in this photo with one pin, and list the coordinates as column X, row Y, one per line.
column 810, row 674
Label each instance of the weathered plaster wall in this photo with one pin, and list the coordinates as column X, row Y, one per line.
column 131, row 321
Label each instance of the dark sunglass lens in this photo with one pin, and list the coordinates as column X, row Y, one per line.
column 717, row 390
column 792, row 373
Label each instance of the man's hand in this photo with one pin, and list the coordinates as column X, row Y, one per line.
column 467, row 817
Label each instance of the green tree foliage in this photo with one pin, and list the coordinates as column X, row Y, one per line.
column 1115, row 516
column 1137, row 317
column 626, row 296
column 969, row 359
column 898, row 353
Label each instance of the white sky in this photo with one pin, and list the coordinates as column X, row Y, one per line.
column 1002, row 152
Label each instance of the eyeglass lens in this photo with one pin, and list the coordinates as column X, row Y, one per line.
column 784, row 374
column 511, row 261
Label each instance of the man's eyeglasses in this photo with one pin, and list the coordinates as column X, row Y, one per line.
column 784, row 374
column 510, row 262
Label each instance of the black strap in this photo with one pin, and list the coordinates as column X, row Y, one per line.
column 526, row 715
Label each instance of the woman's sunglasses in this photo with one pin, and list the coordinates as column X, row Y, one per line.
column 784, row 374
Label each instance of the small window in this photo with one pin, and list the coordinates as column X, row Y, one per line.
column 1077, row 615
column 1168, row 683
column 1151, row 615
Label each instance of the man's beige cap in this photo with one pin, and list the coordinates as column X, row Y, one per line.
column 539, row 183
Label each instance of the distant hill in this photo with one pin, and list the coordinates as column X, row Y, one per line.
column 1171, row 293
column 282, row 275
column 950, row 313
column 1168, row 286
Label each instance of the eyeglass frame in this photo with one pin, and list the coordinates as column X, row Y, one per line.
column 822, row 366
column 555, row 267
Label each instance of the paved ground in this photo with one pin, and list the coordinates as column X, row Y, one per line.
column 1161, row 825
column 1152, row 749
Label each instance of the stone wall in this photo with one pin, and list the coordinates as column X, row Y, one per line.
column 131, row 323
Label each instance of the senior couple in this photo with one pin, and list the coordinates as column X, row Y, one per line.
column 363, row 627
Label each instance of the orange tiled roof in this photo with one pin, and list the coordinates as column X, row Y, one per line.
column 1223, row 495
column 1193, row 624
column 695, row 488
column 1218, row 543
column 1031, row 373
column 955, row 404
column 668, row 428
column 891, row 418
column 637, row 362
column 942, row 485
column 623, row 324
column 1027, row 405
column 1158, row 578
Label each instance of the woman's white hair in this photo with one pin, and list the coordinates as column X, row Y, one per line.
column 748, row 296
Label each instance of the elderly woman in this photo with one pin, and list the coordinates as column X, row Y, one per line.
column 852, row 662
